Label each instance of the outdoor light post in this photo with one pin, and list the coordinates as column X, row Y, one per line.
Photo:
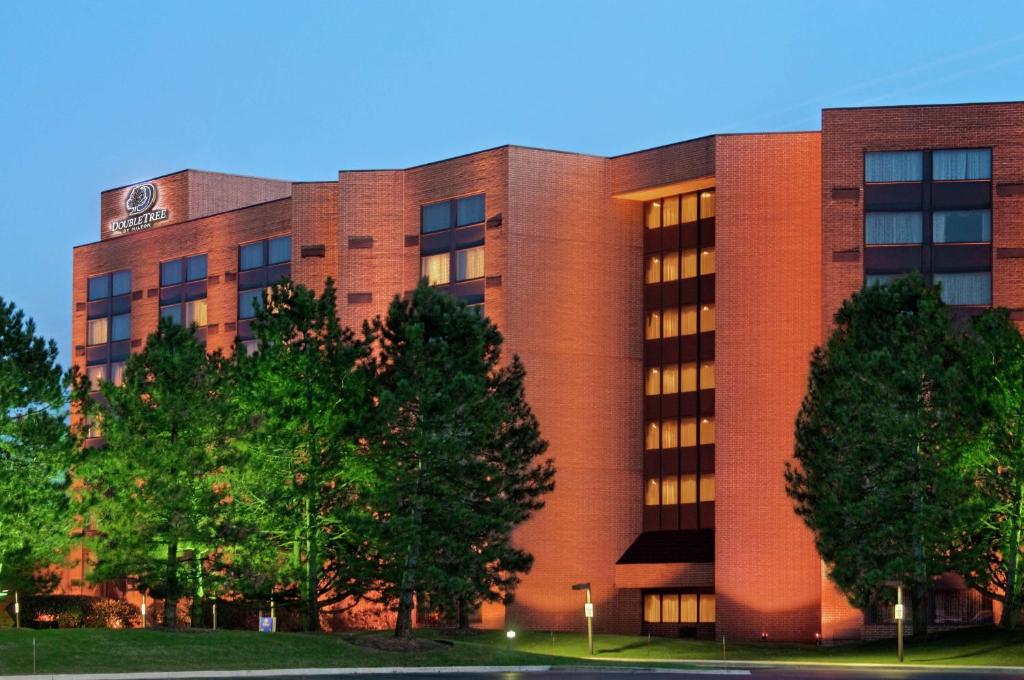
column 588, row 611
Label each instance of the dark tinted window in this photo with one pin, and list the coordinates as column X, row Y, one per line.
column 99, row 287
column 170, row 273
column 250, row 256
column 196, row 267
column 121, row 327
column 246, row 300
column 435, row 217
column 121, row 283
column 172, row 312
column 279, row 250
column 470, row 210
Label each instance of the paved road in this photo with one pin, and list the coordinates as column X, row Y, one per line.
column 712, row 674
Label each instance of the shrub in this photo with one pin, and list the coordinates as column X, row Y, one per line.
column 76, row 611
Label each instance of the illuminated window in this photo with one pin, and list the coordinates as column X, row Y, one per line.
column 669, row 433
column 707, row 318
column 670, row 323
column 653, row 270
column 688, row 322
column 652, row 609
column 652, row 495
column 95, row 428
column 707, row 204
column 707, row 261
column 893, row 166
column 688, row 432
column 707, row 375
column 653, row 215
column 670, row 379
column 670, row 608
column 671, row 266
column 669, row 487
column 670, row 211
column 195, row 312
column 250, row 346
column 689, row 208
column 95, row 375
column 689, row 378
column 707, row 430
column 960, row 164
column 707, row 608
column 652, row 326
column 117, row 373
column 435, row 268
column 689, row 264
column 688, row 489
column 688, row 608
column 707, row 487
column 652, row 438
column 652, row 385
column 98, row 331
column 469, row 264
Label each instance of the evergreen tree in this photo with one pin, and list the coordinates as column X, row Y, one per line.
column 35, row 445
column 876, row 479
column 152, row 501
column 300, row 399
column 455, row 445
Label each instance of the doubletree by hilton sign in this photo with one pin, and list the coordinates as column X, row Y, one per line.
column 139, row 203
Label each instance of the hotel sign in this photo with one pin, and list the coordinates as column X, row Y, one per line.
column 139, row 202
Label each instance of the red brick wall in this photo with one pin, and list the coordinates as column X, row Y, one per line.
column 314, row 223
column 767, row 574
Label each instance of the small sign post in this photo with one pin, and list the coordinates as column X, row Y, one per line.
column 588, row 612
column 898, row 615
column 17, row 611
column 266, row 624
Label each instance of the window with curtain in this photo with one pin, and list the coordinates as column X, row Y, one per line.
column 435, row 268
column 707, row 487
column 669, row 323
column 688, row 320
column 652, row 214
column 707, row 204
column 688, row 608
column 707, row 261
column 688, row 212
column 669, row 489
column 652, row 436
column 707, row 375
column 250, row 256
column 688, row 378
column 652, row 608
column 670, row 211
column 893, row 166
column 669, row 433
column 687, row 489
column 670, row 267
column 117, row 373
column 96, row 374
column 892, row 227
column 688, row 432
column 670, row 608
column 670, row 379
column 652, row 492
column 652, row 384
column 652, row 326
column 962, row 226
column 707, row 608
column 653, row 274
column 707, row 318
column 97, row 334
column 689, row 264
column 469, row 263
column 967, row 288
column 195, row 312
column 707, row 430
column 954, row 164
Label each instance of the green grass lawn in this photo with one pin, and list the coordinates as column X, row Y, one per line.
column 98, row 650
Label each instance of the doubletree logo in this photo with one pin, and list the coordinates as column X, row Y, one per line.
column 141, row 198
column 139, row 202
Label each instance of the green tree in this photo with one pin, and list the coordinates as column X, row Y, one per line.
column 988, row 552
column 875, row 477
column 152, row 501
column 300, row 399
column 35, row 447
column 455, row 446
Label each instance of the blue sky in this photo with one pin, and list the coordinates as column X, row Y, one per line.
column 100, row 94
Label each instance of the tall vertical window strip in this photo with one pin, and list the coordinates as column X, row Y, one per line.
column 652, row 218
column 670, row 211
column 108, row 325
column 260, row 265
column 893, row 166
column 707, row 204
column 962, row 164
column 183, row 290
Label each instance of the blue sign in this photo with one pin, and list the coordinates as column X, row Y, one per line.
column 266, row 624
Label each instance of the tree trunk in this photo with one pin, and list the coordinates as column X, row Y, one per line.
column 403, row 626
column 919, row 603
column 312, row 560
column 1012, row 556
column 463, row 615
column 171, row 578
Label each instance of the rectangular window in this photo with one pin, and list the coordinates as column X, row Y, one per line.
column 707, row 431
column 652, row 214
column 120, row 327
column 196, row 266
column 436, row 217
column 670, row 379
column 95, row 375
column 962, row 226
column 435, row 268
column 99, row 287
column 669, row 433
column 954, row 164
column 892, row 227
column 653, row 274
column 172, row 312
column 652, row 384
column 689, row 378
column 671, row 267
column 689, row 264
column 707, row 487
column 707, row 375
column 170, row 272
column 707, row 318
column 707, row 204
column 688, row 608
column 469, row 264
column 250, row 346
column 670, row 323
column 121, row 282
column 652, row 492
column 688, row 432
column 279, row 250
column 469, row 210
column 707, row 608
column 97, row 334
column 652, row 326
column 670, row 608
column 893, row 166
column 250, row 256
column 879, row 279
column 117, row 373
column 968, row 288
column 195, row 312
column 248, row 302
column 652, row 609
column 669, row 488
column 688, row 489
column 652, row 438
column 688, row 212
column 670, row 211
column 688, row 321
column 707, row 261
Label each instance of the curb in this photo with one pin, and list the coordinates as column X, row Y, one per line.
column 324, row 672
column 820, row 665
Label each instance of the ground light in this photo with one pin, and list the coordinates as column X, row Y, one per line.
column 510, row 635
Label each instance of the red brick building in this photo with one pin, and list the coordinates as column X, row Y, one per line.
column 665, row 303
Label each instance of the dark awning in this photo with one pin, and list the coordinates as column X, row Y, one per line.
column 668, row 547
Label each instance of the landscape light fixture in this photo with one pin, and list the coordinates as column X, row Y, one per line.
column 511, row 635
column 588, row 612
